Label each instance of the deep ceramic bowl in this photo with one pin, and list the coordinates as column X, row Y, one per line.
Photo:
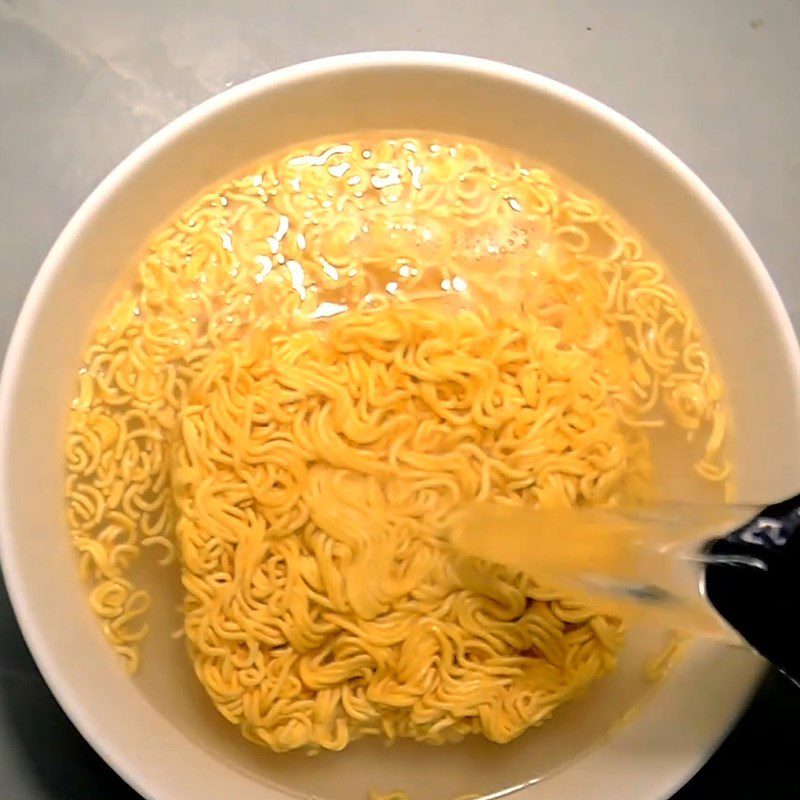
column 157, row 730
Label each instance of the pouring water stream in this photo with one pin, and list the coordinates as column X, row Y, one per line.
column 720, row 571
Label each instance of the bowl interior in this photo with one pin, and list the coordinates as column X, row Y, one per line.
column 158, row 729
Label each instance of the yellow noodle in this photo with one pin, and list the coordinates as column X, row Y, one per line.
column 322, row 359
column 660, row 664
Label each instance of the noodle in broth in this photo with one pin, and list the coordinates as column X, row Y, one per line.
column 319, row 362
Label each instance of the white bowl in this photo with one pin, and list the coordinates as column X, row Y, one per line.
column 157, row 731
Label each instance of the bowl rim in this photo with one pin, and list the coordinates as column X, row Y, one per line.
column 43, row 655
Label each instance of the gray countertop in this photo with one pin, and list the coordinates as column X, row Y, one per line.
column 84, row 81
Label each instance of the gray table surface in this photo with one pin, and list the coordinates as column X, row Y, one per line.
column 84, row 81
